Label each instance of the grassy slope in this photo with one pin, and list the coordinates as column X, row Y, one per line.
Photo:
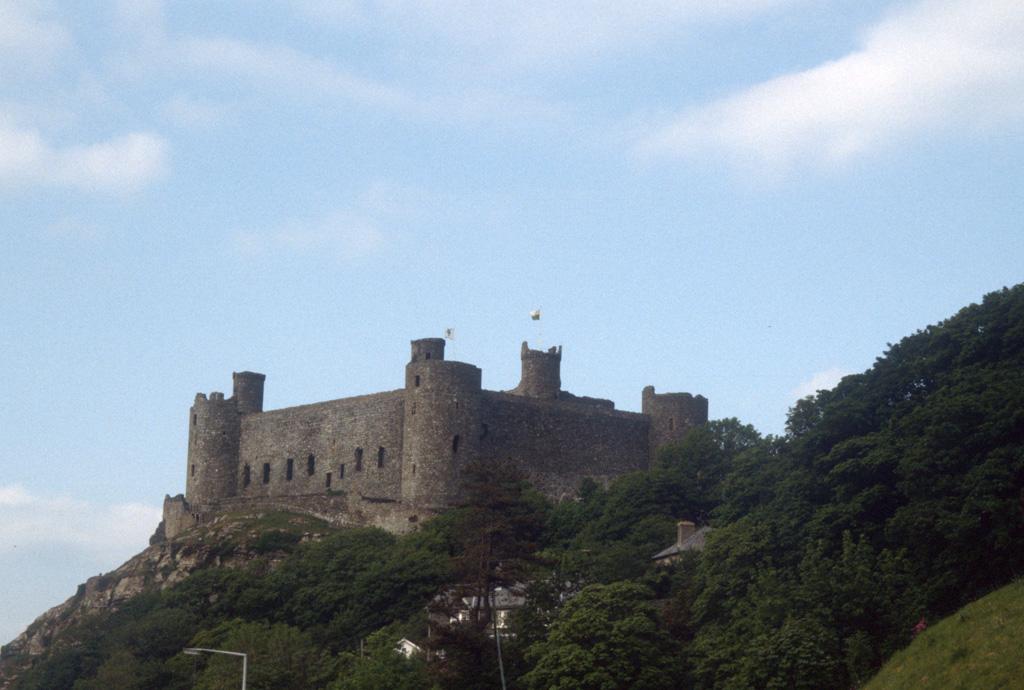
column 977, row 648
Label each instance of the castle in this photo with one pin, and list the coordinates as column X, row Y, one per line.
column 390, row 459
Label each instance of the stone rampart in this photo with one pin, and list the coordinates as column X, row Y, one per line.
column 558, row 443
column 356, row 442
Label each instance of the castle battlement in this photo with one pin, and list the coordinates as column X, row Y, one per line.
column 392, row 458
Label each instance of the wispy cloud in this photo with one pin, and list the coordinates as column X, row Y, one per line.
column 939, row 64
column 186, row 111
column 307, row 78
column 122, row 164
column 367, row 225
column 28, row 37
column 531, row 33
column 107, row 532
column 823, row 380
column 281, row 66
column 339, row 234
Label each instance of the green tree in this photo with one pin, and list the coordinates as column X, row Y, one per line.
column 280, row 658
column 380, row 665
column 702, row 459
column 495, row 535
column 121, row 670
column 604, row 638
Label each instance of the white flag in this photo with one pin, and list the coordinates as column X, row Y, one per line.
column 449, row 334
column 535, row 314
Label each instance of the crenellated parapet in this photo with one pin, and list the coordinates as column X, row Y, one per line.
column 541, row 373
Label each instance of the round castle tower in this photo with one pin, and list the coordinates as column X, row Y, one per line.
column 248, row 394
column 442, row 423
column 672, row 415
column 214, row 433
column 541, row 377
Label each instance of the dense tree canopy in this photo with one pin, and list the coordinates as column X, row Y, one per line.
column 606, row 637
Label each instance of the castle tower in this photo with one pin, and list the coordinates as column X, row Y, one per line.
column 441, row 424
column 213, row 440
column 541, row 376
column 248, row 391
column 672, row 415
column 427, row 348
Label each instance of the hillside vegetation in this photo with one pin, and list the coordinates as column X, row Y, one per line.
column 897, row 495
column 977, row 648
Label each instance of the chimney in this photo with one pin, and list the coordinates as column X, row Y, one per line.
column 684, row 530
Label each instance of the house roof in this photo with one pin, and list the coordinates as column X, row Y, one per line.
column 695, row 542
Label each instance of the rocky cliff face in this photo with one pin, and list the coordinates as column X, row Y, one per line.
column 224, row 543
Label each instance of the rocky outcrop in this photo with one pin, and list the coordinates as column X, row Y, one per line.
column 223, row 543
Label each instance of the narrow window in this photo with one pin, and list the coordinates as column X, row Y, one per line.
column 359, row 459
column 380, row 456
column 414, row 408
column 428, row 355
column 341, row 471
column 193, row 420
column 290, row 469
column 417, row 381
column 246, row 475
column 483, row 431
column 671, row 423
column 193, row 470
column 327, row 480
column 266, row 473
column 455, row 444
column 311, row 465
column 414, row 468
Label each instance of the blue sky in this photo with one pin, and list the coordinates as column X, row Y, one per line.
column 742, row 199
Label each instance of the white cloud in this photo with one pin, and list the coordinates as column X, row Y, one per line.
column 531, row 33
column 14, row 496
column 28, row 37
column 823, row 380
column 280, row 66
column 340, row 234
column 107, row 532
column 305, row 77
column 939, row 64
column 186, row 111
column 369, row 224
column 121, row 164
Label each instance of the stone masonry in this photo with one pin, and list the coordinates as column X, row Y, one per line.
column 390, row 459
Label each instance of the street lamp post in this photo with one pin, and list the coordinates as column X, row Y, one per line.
column 196, row 651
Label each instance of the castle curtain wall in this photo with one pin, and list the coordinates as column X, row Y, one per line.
column 333, row 432
column 559, row 443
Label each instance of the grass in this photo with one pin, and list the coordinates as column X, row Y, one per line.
column 263, row 531
column 291, row 522
column 981, row 647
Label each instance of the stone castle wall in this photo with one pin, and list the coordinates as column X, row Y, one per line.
column 559, row 443
column 357, row 441
column 390, row 459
